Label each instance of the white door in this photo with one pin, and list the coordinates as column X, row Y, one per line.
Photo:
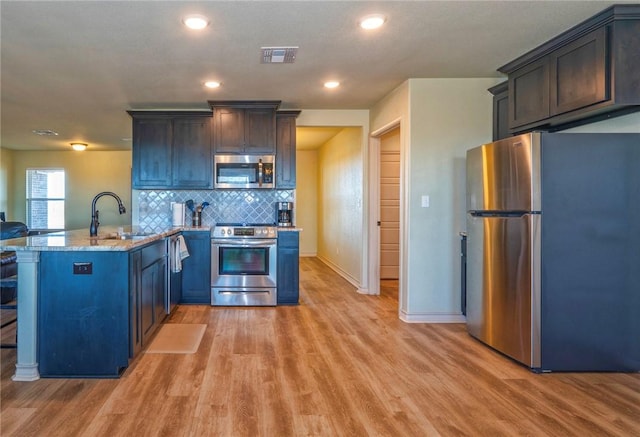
column 390, row 204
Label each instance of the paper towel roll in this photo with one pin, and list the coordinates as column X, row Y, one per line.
column 177, row 214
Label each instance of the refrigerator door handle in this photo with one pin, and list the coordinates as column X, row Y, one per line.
column 500, row 213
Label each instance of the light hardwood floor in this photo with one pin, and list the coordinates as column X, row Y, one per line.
column 340, row 364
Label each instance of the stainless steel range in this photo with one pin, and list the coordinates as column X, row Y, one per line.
column 243, row 265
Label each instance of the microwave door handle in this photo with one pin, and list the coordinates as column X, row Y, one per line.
column 260, row 172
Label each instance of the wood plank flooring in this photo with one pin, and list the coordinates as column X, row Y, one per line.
column 339, row 364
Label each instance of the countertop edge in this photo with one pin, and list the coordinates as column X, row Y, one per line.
column 79, row 240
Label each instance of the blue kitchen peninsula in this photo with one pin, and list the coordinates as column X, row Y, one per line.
column 86, row 305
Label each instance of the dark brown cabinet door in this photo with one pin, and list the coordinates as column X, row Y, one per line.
column 501, row 121
column 585, row 74
column 529, row 94
column 249, row 131
column 228, row 130
column 259, row 131
column 286, row 152
column 171, row 150
column 578, row 73
column 500, row 110
column 151, row 158
column 192, row 158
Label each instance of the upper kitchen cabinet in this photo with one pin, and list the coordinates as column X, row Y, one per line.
column 587, row 72
column 244, row 127
column 500, row 110
column 151, row 152
column 286, row 149
column 529, row 95
column 192, row 158
column 578, row 76
column 171, row 150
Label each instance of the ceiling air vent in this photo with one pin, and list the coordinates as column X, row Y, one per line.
column 45, row 132
column 279, row 55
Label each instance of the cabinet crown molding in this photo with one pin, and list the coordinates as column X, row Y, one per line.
column 168, row 113
column 607, row 16
column 288, row 113
column 267, row 104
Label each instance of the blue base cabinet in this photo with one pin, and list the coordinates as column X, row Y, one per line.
column 83, row 305
column 288, row 275
column 97, row 310
column 196, row 269
column 147, row 294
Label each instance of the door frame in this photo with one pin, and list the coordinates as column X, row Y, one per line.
column 373, row 270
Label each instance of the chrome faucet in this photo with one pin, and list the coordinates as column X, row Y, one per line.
column 93, row 229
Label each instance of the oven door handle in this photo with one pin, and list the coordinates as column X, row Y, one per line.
column 244, row 243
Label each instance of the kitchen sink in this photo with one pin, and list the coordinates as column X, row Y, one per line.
column 126, row 236
column 133, row 235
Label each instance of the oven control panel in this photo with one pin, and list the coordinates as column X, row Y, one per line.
column 231, row 231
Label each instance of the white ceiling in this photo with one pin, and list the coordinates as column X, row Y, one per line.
column 77, row 67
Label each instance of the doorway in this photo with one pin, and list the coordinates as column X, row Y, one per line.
column 389, row 198
column 386, row 192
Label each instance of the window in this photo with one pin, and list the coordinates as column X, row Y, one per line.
column 45, row 199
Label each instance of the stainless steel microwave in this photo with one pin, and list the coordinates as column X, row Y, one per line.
column 244, row 171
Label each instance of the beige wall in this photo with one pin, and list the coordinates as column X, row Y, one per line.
column 629, row 123
column 440, row 120
column 340, row 183
column 87, row 174
column 448, row 117
column 306, row 206
column 352, row 257
column 6, row 176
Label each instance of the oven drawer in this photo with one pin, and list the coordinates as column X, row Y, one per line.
column 234, row 296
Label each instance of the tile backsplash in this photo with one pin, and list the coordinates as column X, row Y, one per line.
column 152, row 208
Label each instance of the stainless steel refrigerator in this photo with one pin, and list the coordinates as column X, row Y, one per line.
column 553, row 250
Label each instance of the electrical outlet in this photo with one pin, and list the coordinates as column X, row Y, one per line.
column 82, row 268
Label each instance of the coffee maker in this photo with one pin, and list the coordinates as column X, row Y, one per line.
column 284, row 213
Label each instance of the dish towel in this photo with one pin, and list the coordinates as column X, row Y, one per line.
column 180, row 252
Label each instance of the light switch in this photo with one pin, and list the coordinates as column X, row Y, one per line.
column 425, row 201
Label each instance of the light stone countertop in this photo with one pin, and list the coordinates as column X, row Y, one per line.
column 79, row 240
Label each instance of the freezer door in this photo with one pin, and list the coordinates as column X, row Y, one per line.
column 503, row 283
column 505, row 175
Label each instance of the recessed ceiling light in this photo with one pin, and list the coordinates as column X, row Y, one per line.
column 212, row 84
column 79, row 146
column 332, row 84
column 45, row 132
column 372, row 21
column 195, row 22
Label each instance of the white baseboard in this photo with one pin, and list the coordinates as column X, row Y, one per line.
column 309, row 254
column 353, row 281
column 432, row 317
